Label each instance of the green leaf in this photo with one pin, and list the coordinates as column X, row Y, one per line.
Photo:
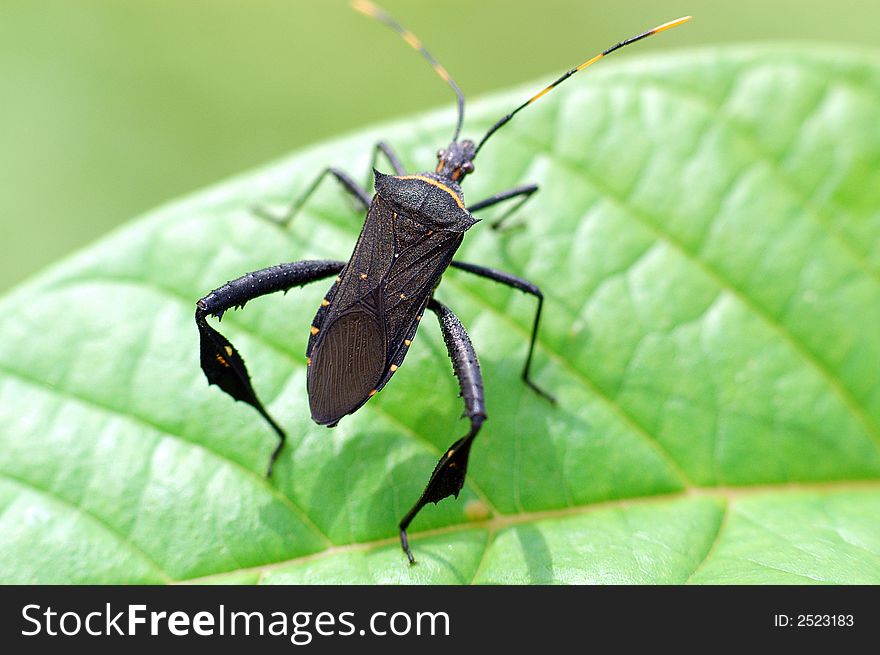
column 708, row 240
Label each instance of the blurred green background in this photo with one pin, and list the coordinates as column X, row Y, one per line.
column 110, row 107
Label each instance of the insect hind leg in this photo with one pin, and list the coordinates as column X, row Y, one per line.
column 526, row 287
column 449, row 473
column 220, row 361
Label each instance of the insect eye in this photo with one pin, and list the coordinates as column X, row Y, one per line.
column 468, row 167
column 441, row 153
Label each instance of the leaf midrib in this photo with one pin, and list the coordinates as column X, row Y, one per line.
column 503, row 521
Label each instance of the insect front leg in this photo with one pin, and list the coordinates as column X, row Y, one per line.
column 522, row 193
column 384, row 149
column 361, row 196
column 527, row 287
column 449, row 474
column 220, row 361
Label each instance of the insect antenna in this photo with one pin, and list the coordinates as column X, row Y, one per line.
column 565, row 76
column 369, row 9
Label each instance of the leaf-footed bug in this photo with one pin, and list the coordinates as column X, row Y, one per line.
column 363, row 329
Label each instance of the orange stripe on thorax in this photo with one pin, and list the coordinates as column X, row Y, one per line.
column 437, row 184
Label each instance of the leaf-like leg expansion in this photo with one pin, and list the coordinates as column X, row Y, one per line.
column 449, row 474
column 527, row 287
column 220, row 360
column 362, row 197
column 523, row 193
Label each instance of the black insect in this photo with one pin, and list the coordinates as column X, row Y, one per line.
column 369, row 317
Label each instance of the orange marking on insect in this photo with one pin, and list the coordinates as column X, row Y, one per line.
column 407, row 342
column 338, row 279
column 419, row 318
column 228, row 350
column 325, row 302
column 363, row 276
column 393, row 367
column 538, row 95
column 308, row 361
column 221, row 360
column 437, row 184
column 374, row 392
column 314, row 330
column 411, row 38
column 403, row 296
column 366, row 8
column 589, row 62
column 672, row 23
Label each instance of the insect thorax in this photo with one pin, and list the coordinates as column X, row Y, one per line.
column 428, row 198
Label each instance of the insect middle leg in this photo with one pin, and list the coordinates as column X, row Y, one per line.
column 449, row 474
column 526, row 287
column 220, row 361
column 522, row 193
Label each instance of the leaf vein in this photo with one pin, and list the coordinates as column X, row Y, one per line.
column 93, row 518
column 797, row 344
column 107, row 409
